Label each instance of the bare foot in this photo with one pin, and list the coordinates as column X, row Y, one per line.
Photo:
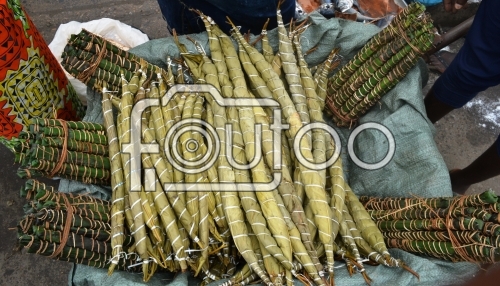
column 440, row 61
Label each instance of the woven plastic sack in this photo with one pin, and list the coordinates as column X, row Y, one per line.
column 32, row 84
column 416, row 167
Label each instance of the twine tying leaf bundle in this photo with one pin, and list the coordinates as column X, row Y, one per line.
column 94, row 60
column 295, row 231
column 379, row 65
column 462, row 228
column 58, row 148
column 67, row 227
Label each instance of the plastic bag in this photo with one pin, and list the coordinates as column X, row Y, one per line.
column 113, row 30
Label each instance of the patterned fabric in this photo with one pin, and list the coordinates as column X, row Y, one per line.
column 32, row 83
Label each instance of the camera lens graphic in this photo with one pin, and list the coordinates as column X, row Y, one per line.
column 174, row 145
column 192, row 145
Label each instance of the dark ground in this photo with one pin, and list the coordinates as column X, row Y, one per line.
column 461, row 136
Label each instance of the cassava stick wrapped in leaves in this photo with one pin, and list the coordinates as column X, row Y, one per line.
column 230, row 200
column 462, row 223
column 411, row 214
column 300, row 219
column 446, row 250
column 117, row 182
column 465, row 237
column 72, row 150
column 293, row 118
column 58, row 231
column 48, row 195
column 379, row 65
column 76, row 158
column 138, row 231
column 403, row 19
column 447, row 228
column 366, row 226
column 485, row 198
column 246, row 120
column 264, row 70
column 92, row 60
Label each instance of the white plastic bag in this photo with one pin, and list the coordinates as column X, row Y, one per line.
column 113, row 30
column 344, row 5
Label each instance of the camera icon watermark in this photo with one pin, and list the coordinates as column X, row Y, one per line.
column 212, row 144
column 136, row 148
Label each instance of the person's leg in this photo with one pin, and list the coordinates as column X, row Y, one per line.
column 249, row 15
column 484, row 167
column 498, row 145
column 475, row 68
column 180, row 18
column 435, row 108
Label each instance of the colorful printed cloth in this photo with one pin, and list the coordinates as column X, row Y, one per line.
column 32, row 83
